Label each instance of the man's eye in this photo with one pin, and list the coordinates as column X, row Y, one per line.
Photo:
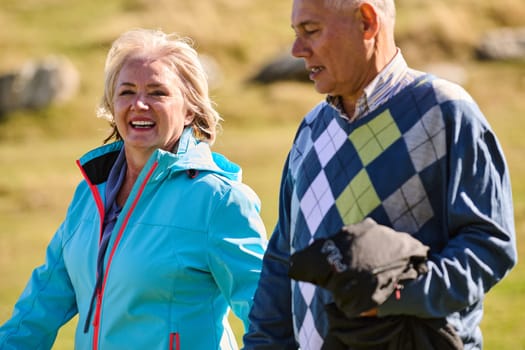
column 310, row 31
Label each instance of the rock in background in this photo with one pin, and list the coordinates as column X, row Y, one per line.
column 502, row 44
column 38, row 84
column 282, row 67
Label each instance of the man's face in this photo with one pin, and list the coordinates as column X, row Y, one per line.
column 332, row 44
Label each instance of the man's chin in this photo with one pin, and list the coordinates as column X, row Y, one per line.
column 320, row 88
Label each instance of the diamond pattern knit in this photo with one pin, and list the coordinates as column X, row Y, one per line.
column 378, row 166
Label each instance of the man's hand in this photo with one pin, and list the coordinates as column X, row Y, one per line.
column 360, row 265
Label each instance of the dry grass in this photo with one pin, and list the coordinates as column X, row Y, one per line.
column 38, row 149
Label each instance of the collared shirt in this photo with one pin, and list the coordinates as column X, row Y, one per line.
column 392, row 79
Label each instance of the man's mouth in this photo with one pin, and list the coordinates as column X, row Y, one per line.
column 314, row 71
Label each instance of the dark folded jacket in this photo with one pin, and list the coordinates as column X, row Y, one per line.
column 388, row 333
column 362, row 265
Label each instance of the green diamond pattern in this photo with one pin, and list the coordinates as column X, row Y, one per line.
column 358, row 199
column 373, row 138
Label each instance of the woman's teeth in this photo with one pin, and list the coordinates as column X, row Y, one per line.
column 142, row 124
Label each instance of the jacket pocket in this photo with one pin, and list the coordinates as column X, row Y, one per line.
column 174, row 341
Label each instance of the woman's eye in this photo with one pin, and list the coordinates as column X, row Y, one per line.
column 126, row 92
column 159, row 93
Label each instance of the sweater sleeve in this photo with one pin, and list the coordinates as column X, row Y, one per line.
column 47, row 303
column 481, row 248
column 271, row 325
column 237, row 243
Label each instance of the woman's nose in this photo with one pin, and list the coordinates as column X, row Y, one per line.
column 139, row 103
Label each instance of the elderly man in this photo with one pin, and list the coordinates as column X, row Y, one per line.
column 409, row 150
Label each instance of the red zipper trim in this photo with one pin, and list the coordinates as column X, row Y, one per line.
column 96, row 195
column 174, row 340
column 96, row 320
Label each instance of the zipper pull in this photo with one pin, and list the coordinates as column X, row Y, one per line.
column 96, row 319
column 90, row 311
column 397, row 291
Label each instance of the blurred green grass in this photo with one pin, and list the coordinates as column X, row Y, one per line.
column 38, row 148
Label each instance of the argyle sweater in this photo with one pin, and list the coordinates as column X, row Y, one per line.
column 426, row 163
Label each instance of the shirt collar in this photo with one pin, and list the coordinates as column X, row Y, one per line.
column 387, row 83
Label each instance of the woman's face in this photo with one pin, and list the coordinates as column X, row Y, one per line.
column 149, row 107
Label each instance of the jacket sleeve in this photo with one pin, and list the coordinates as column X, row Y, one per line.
column 237, row 244
column 47, row 303
column 271, row 325
column 481, row 248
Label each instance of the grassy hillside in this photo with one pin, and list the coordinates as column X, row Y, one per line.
column 38, row 148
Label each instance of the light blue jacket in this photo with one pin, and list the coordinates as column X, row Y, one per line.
column 186, row 248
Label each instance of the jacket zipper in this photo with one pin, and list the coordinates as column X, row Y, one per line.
column 101, row 213
column 174, row 341
column 100, row 293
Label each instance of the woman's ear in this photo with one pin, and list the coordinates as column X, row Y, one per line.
column 369, row 20
column 190, row 117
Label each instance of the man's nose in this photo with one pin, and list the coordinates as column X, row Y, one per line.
column 299, row 49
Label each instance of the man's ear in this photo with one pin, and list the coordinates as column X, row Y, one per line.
column 369, row 20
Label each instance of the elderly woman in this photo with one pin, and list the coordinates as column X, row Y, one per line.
column 162, row 238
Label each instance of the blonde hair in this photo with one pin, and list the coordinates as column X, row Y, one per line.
column 182, row 58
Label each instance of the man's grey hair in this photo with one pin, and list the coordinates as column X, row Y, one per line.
column 386, row 8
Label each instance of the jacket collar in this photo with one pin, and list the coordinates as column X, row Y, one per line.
column 191, row 154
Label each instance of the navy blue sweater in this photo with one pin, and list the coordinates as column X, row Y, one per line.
column 427, row 163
